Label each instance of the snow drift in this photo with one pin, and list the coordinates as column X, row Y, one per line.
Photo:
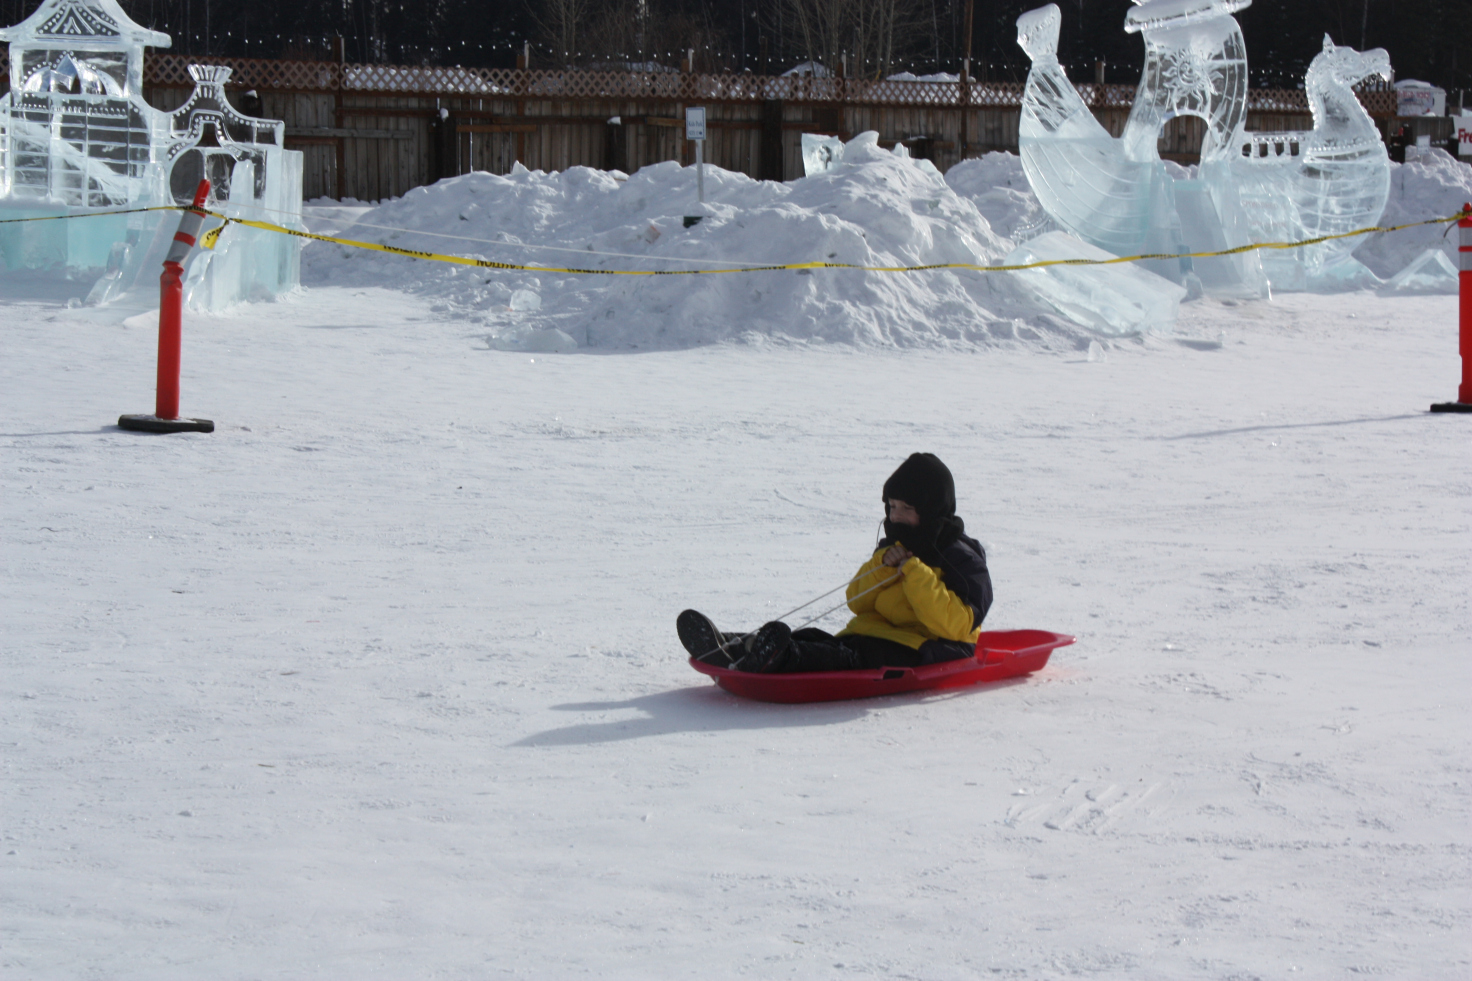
column 877, row 208
column 1434, row 185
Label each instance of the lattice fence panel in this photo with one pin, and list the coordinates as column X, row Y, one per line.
column 171, row 70
column 1378, row 98
column 1276, row 100
column 247, row 73
column 307, row 76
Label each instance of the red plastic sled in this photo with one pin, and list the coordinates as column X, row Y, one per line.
column 999, row 654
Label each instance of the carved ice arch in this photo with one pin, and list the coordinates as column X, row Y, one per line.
column 1195, row 65
column 209, row 137
column 1116, row 193
column 208, row 100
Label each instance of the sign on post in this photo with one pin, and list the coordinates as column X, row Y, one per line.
column 695, row 123
column 1464, row 133
column 695, row 130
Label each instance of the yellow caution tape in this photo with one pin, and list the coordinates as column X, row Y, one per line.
column 212, row 237
column 214, row 234
column 209, row 238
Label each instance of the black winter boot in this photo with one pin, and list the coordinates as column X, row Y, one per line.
column 767, row 648
column 702, row 640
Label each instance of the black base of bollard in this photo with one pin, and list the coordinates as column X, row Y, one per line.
column 1452, row 407
column 153, row 424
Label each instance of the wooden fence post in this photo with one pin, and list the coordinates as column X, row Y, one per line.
column 616, row 147
column 772, row 165
column 446, row 145
column 966, row 82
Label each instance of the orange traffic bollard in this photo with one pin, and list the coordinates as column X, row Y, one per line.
column 1464, row 287
column 165, row 418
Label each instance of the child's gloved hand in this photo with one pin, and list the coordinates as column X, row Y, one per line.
column 897, row 556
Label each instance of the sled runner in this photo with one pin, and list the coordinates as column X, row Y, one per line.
column 999, row 654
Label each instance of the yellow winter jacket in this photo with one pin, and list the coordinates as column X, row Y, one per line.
column 911, row 610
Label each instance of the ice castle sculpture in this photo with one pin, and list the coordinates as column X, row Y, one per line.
column 77, row 137
column 1118, row 195
column 251, row 175
column 75, row 133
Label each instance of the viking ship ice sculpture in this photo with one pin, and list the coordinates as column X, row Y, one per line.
column 77, row 138
column 1117, row 194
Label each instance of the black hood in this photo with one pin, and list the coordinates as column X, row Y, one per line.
column 924, row 483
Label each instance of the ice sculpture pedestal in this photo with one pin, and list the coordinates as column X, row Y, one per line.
column 1110, row 300
column 68, row 238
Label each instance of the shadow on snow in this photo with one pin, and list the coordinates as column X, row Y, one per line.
column 707, row 708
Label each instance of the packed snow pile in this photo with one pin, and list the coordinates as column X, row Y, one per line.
column 876, row 208
column 1434, row 185
column 997, row 186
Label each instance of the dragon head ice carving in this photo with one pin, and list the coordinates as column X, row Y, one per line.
column 1346, row 66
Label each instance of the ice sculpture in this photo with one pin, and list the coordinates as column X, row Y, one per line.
column 1116, row 300
column 820, row 154
column 251, row 175
column 1430, row 272
column 1333, row 178
column 77, row 137
column 75, row 133
column 1117, row 194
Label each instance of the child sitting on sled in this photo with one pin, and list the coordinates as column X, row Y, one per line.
column 920, row 598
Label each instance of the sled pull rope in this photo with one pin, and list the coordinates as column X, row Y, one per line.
column 815, row 599
column 740, row 640
column 724, row 647
column 888, row 582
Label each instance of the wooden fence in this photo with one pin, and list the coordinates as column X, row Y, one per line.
column 376, row 131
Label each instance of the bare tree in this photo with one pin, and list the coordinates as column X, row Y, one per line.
column 869, row 36
column 561, row 24
column 643, row 31
column 618, row 32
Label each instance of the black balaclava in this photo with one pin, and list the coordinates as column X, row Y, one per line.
column 924, row 483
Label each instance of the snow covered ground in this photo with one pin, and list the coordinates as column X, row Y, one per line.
column 380, row 679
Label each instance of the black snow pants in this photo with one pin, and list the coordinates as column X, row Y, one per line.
column 812, row 649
